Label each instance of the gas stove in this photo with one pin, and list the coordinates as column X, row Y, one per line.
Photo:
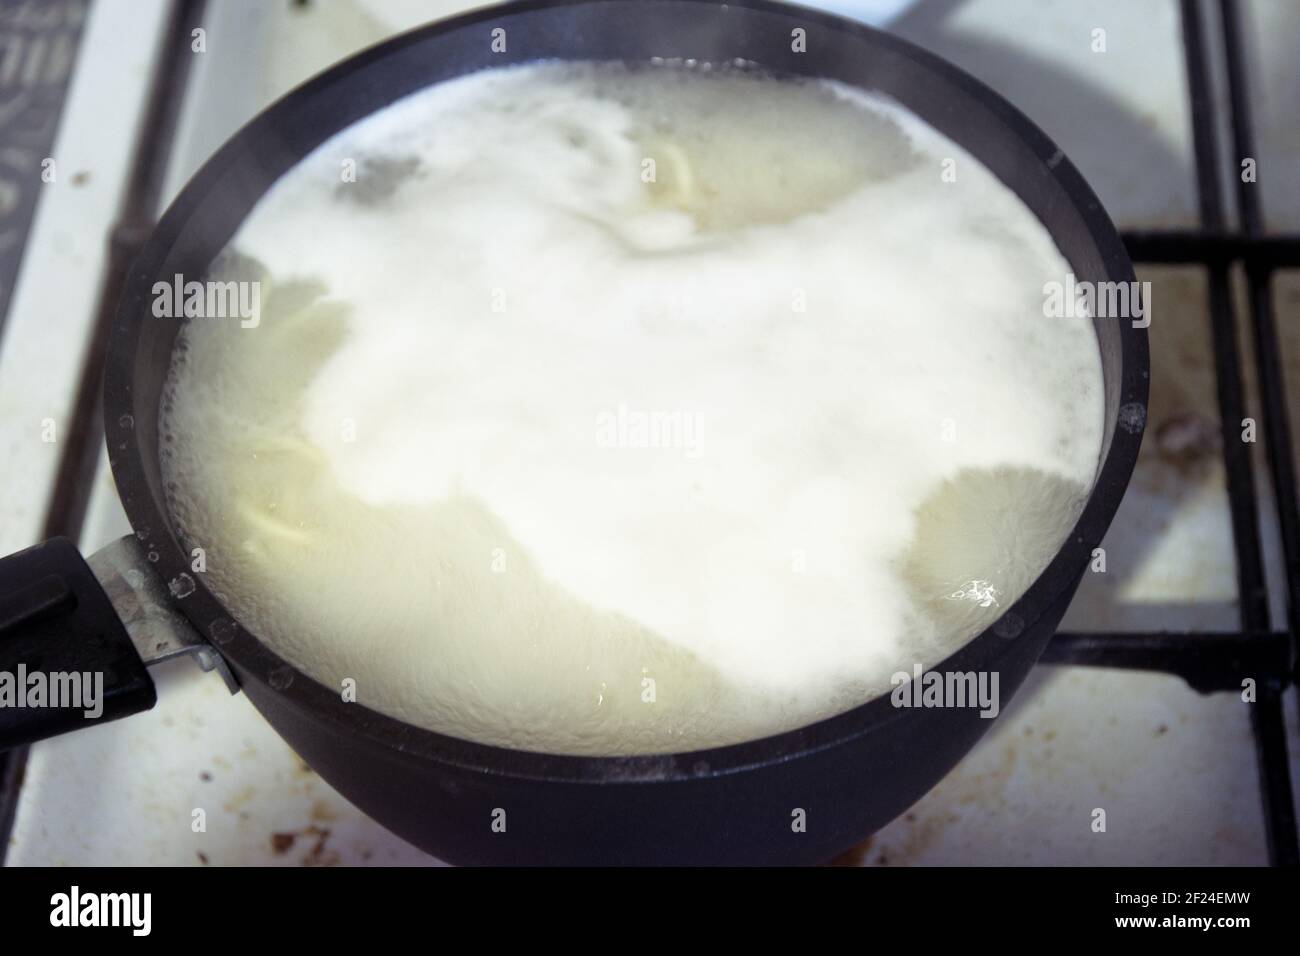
column 1181, row 117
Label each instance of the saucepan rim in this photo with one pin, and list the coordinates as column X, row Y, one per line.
column 254, row 660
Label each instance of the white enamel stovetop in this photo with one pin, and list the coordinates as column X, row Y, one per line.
column 1174, row 770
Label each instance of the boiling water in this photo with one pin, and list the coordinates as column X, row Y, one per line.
column 620, row 411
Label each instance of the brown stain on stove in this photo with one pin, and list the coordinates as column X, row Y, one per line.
column 318, row 855
column 922, row 831
column 315, row 838
column 239, row 799
column 1188, row 442
column 855, row 855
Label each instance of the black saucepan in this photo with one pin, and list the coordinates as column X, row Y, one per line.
column 797, row 797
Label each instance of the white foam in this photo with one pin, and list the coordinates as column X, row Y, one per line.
column 427, row 474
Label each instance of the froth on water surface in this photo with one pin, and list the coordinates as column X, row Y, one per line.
column 617, row 411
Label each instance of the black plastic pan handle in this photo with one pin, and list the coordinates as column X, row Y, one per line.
column 66, row 659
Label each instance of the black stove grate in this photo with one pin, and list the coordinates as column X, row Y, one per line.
column 1220, row 661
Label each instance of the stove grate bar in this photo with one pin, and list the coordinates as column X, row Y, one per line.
column 1266, row 713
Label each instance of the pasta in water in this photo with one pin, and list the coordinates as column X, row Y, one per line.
column 611, row 410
